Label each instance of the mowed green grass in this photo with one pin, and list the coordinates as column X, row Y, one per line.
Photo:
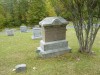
column 21, row 49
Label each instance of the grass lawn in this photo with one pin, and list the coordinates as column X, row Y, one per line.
column 21, row 48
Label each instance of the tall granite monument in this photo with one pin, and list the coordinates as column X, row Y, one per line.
column 53, row 41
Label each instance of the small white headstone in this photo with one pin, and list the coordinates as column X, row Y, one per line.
column 10, row 32
column 36, row 33
column 23, row 28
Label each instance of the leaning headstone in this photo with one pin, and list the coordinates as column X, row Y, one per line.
column 20, row 68
column 36, row 33
column 53, row 41
column 23, row 28
column 10, row 32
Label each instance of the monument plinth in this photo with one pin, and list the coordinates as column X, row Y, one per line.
column 53, row 41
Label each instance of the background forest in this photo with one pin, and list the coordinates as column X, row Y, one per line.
column 29, row 12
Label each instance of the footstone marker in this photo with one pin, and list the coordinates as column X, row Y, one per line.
column 20, row 68
column 53, row 41
column 36, row 33
column 10, row 32
column 23, row 28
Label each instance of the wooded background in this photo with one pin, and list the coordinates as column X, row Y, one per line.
column 29, row 12
column 85, row 15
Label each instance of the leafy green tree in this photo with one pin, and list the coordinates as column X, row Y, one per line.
column 60, row 10
column 21, row 11
column 36, row 11
column 14, row 12
column 86, row 25
column 49, row 8
column 2, row 19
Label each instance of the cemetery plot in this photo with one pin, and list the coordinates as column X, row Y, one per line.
column 53, row 42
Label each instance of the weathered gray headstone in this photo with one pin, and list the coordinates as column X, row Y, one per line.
column 20, row 68
column 10, row 32
column 53, row 41
column 36, row 33
column 23, row 28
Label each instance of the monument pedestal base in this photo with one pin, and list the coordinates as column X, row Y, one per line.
column 36, row 37
column 52, row 49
